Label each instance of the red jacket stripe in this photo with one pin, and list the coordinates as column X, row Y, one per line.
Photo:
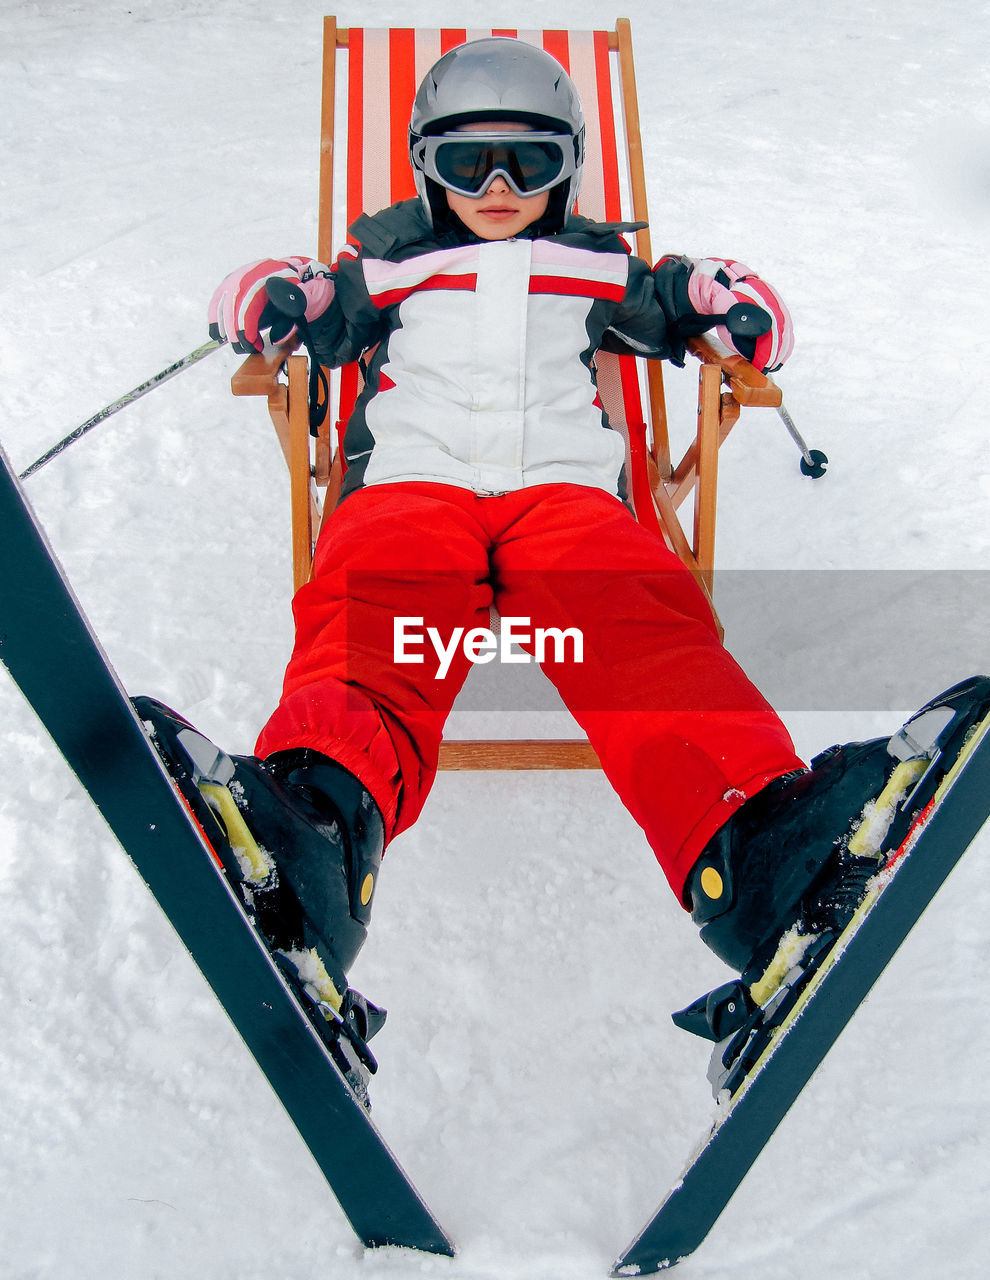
column 577, row 288
column 391, row 297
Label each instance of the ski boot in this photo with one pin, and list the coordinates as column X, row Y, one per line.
column 301, row 841
column 776, row 886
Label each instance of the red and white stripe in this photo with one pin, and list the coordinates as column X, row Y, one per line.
column 558, row 268
column 390, row 282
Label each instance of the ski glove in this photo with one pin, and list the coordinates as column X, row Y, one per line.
column 692, row 289
column 241, row 309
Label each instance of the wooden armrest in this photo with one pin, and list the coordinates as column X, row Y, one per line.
column 747, row 384
column 258, row 375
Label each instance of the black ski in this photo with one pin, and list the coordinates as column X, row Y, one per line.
column 935, row 844
column 53, row 655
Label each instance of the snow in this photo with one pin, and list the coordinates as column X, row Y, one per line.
column 526, row 946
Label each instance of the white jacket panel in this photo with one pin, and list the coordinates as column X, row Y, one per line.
column 486, row 383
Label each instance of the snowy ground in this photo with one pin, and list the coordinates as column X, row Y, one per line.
column 524, row 942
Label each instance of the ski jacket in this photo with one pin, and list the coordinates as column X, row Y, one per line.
column 483, row 374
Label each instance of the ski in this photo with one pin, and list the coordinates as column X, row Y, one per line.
column 818, row 997
column 52, row 653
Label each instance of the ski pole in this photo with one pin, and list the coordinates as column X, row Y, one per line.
column 122, row 403
column 813, row 461
column 751, row 321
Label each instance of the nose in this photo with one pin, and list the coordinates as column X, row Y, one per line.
column 498, row 185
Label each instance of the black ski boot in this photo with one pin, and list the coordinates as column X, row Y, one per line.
column 302, row 841
column 780, row 881
column 802, row 851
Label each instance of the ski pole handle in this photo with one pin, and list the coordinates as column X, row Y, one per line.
column 745, row 320
column 286, row 296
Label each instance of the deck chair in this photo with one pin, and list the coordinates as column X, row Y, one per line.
column 365, row 114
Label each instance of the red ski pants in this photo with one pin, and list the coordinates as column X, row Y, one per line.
column 682, row 734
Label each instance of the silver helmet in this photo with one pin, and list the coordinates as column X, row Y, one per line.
column 497, row 79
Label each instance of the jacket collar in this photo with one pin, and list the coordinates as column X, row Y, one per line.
column 403, row 229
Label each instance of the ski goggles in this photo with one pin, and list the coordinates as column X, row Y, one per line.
column 468, row 163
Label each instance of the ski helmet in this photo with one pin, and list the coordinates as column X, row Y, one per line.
column 489, row 81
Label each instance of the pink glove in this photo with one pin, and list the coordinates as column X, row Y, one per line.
column 715, row 284
column 240, row 308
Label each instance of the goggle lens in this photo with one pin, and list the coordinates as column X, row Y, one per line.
column 530, row 166
column 467, row 164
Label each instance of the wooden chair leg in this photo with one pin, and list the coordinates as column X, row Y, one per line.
column 660, row 450
column 706, row 491
column 305, row 514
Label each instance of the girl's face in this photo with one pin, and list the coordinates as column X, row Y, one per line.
column 498, row 213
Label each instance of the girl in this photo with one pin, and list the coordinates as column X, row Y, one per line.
column 481, row 470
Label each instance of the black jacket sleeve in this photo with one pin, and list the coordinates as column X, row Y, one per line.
column 352, row 323
column 639, row 325
column 671, row 276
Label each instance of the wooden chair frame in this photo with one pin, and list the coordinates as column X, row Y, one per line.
column 727, row 382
